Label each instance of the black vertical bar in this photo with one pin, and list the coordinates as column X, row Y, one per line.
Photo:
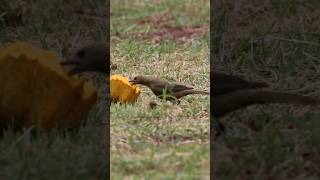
column 212, row 172
column 108, row 99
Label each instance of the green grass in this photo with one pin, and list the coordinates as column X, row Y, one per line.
column 55, row 25
column 170, row 141
column 276, row 42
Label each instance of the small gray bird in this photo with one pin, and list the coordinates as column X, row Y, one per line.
column 91, row 58
column 174, row 90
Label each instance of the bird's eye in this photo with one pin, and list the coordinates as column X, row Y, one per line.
column 80, row 53
column 135, row 78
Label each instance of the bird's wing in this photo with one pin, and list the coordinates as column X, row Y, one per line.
column 157, row 88
column 179, row 87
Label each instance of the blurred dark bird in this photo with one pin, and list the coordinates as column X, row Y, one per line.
column 231, row 93
column 93, row 58
column 158, row 86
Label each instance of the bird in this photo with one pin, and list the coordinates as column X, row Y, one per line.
column 158, row 86
column 231, row 93
column 92, row 58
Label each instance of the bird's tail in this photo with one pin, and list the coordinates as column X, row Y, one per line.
column 192, row 91
column 188, row 92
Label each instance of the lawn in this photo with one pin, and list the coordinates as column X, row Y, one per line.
column 63, row 27
column 167, row 39
column 275, row 42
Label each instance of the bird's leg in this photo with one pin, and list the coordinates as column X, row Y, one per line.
column 176, row 101
column 172, row 99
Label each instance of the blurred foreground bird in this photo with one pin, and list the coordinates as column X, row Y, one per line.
column 158, row 86
column 231, row 93
column 93, row 58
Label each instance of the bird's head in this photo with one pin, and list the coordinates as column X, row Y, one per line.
column 139, row 80
column 90, row 58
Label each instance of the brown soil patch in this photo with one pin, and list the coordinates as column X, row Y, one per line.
column 181, row 33
column 157, row 20
column 161, row 29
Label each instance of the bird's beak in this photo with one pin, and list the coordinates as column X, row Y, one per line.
column 133, row 82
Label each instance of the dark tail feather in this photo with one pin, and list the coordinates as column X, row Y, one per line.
column 191, row 91
column 225, row 104
column 188, row 92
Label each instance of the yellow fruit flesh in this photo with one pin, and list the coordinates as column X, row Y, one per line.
column 121, row 89
column 35, row 90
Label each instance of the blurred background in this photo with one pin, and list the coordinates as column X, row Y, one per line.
column 276, row 42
